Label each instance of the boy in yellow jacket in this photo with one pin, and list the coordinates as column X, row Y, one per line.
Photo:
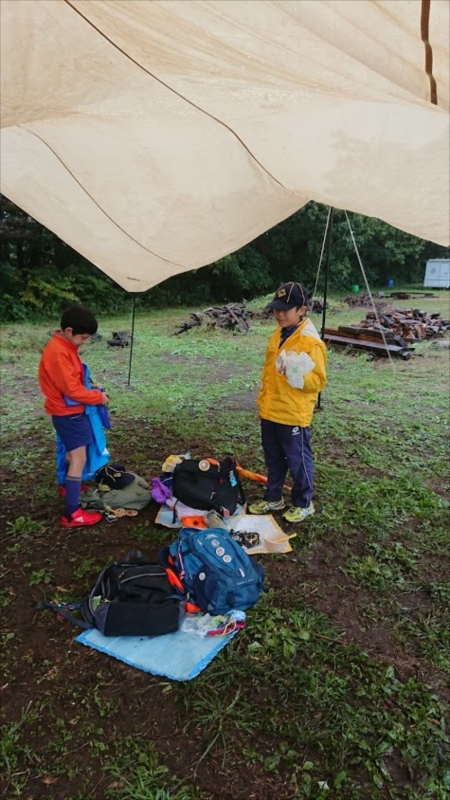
column 292, row 377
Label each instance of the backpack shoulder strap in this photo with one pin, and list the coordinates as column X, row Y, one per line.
column 63, row 611
column 164, row 557
column 242, row 497
column 233, row 466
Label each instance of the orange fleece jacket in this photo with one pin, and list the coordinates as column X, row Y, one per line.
column 61, row 373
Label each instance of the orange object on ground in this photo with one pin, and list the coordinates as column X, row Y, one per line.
column 255, row 476
column 193, row 521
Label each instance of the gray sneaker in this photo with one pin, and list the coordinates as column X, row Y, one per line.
column 264, row 506
column 296, row 514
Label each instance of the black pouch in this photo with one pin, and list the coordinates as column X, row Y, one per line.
column 138, row 619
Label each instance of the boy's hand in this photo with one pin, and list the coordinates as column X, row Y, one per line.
column 105, row 399
column 281, row 362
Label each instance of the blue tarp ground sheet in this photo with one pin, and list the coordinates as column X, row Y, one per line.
column 179, row 656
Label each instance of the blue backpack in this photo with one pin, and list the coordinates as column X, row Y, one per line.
column 215, row 571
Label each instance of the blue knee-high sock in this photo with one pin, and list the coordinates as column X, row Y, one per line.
column 73, row 489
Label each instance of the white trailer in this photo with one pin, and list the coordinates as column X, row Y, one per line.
column 437, row 273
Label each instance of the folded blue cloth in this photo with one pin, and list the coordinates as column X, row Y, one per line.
column 97, row 453
column 104, row 416
column 179, row 656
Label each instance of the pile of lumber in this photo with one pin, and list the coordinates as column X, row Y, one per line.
column 411, row 324
column 357, row 338
column 233, row 316
column 363, row 300
column 406, row 295
column 395, row 331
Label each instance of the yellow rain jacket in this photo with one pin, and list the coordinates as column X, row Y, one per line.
column 278, row 401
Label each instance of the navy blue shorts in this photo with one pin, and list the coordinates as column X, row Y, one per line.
column 74, row 430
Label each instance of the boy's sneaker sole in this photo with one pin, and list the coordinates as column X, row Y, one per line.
column 296, row 514
column 265, row 506
column 81, row 519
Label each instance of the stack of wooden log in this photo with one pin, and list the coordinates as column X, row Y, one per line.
column 362, row 300
column 405, row 295
column 356, row 338
column 411, row 324
column 396, row 330
column 233, row 316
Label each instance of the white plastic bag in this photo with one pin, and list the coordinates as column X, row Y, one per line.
column 295, row 366
column 219, row 625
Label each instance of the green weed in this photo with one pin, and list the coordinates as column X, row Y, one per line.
column 87, row 568
column 386, row 567
column 40, row 576
column 23, row 525
column 11, row 751
column 137, row 774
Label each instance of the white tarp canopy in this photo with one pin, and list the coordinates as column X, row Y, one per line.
column 156, row 136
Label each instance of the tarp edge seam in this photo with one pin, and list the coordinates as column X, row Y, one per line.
column 185, row 99
column 116, row 224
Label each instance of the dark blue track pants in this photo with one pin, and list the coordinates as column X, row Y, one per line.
column 288, row 447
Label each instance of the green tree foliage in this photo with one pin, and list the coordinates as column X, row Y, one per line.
column 41, row 275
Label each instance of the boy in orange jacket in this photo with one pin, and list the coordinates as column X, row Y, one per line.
column 61, row 378
column 292, row 377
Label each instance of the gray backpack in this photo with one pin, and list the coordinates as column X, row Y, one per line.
column 135, row 496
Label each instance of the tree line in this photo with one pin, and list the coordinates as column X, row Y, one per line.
column 41, row 275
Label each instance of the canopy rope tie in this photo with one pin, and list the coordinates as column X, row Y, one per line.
column 370, row 295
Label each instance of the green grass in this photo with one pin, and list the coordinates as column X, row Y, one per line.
column 337, row 688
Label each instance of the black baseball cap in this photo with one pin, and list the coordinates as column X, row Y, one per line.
column 289, row 295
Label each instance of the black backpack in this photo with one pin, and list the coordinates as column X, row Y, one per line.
column 208, row 485
column 130, row 598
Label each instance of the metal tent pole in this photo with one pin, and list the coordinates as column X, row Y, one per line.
column 327, row 273
column 132, row 337
column 327, row 269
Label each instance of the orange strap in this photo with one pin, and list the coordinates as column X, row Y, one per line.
column 175, row 581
